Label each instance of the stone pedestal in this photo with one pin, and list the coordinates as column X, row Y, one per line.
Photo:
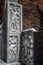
column 14, row 63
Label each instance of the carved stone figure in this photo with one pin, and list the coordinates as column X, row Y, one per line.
column 27, row 46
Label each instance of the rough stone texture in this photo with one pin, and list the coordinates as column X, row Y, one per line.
column 3, row 63
column 31, row 17
column 26, row 48
column 2, row 8
column 36, row 2
column 39, row 3
column 11, row 33
column 26, row 3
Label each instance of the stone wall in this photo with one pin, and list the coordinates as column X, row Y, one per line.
column 31, row 17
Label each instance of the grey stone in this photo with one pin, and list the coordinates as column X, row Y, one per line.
column 14, row 63
column 26, row 47
column 12, row 28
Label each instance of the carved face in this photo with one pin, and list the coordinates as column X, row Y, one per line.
column 13, row 39
column 12, row 48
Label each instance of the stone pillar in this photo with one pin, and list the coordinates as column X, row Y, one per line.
column 27, row 47
column 12, row 28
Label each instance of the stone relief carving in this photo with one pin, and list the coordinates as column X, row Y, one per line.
column 15, row 17
column 27, row 46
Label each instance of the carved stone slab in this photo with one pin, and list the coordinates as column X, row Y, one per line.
column 14, row 17
column 12, row 27
column 27, row 46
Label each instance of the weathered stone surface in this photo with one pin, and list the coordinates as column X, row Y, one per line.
column 31, row 17
column 25, row 2
column 26, row 47
column 11, row 32
column 3, row 63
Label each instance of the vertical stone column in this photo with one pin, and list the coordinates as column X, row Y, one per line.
column 12, row 28
column 27, row 48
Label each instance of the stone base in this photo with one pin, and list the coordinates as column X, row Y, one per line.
column 3, row 63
